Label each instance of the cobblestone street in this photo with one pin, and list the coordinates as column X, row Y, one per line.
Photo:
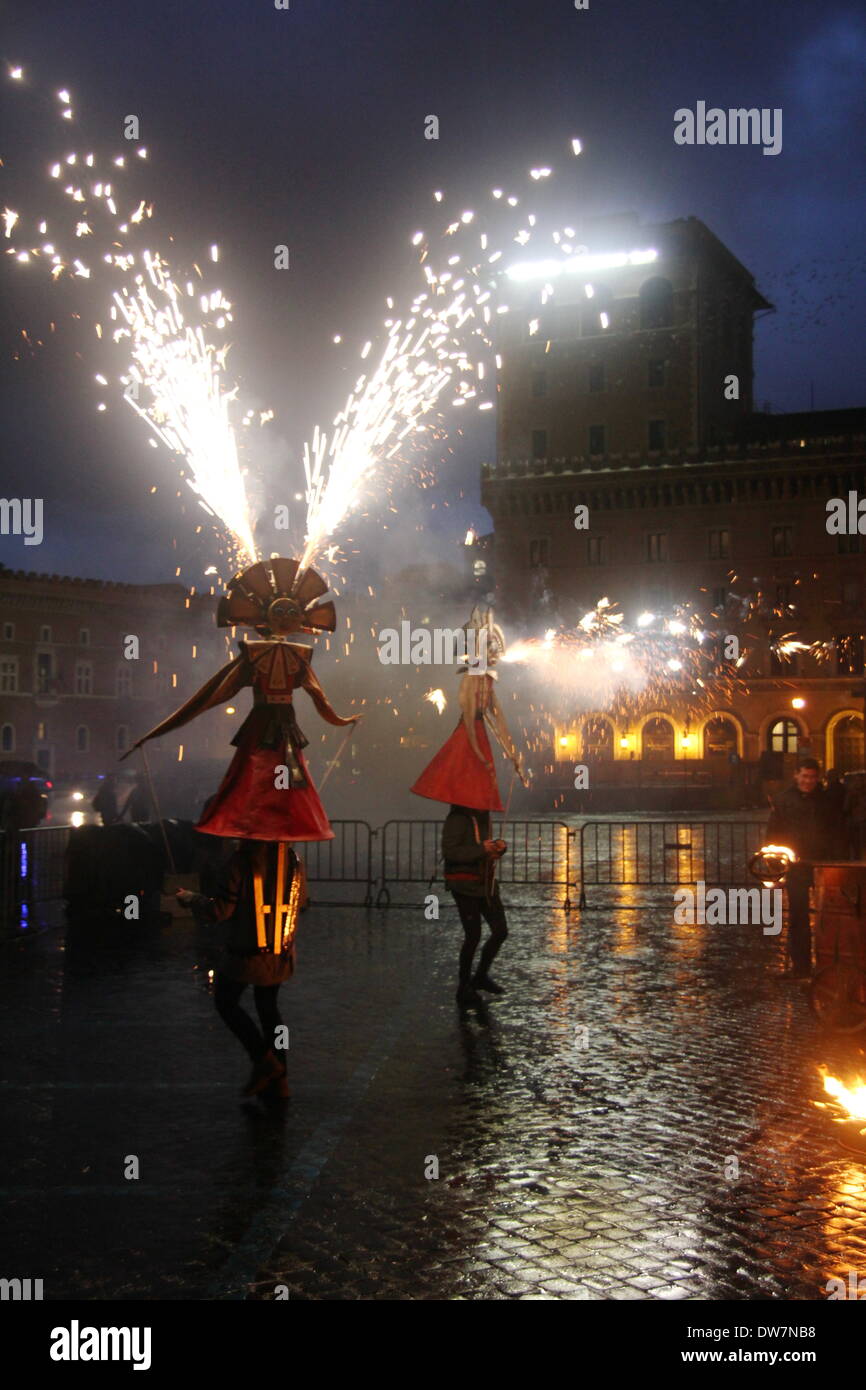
column 565, row 1171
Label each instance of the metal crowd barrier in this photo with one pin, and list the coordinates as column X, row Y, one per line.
column 539, row 852
column 348, row 858
column 647, row 852
column 31, row 867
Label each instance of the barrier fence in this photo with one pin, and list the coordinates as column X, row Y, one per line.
column 652, row 853
column 31, row 867
column 348, row 858
column 541, row 853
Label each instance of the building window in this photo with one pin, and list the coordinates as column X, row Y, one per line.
column 43, row 759
column 84, row 637
column 596, row 377
column 539, row 444
column 657, row 546
column 40, row 731
column 656, row 303
column 783, row 736
column 82, row 738
column 596, row 550
column 44, row 672
column 851, row 591
column 596, row 439
column 655, row 373
column 8, row 632
column 597, row 311
column 849, row 654
column 656, row 435
column 83, row 678
column 597, row 737
column 720, row 738
column 783, row 540
column 538, row 552
column 720, row 544
column 122, row 739
column 7, row 738
column 123, row 678
column 781, row 665
column 848, row 545
column 539, row 384
column 657, row 740
column 720, row 596
column 848, row 744
column 783, row 595
column 45, row 634
column 8, row 675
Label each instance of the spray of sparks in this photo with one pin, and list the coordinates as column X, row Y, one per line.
column 172, row 335
column 437, row 698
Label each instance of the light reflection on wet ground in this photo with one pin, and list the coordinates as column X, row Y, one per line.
column 632, row 1120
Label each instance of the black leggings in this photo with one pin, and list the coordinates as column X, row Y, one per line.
column 227, row 993
column 471, row 912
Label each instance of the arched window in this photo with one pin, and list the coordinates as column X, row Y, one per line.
column 597, row 735
column 657, row 740
column 656, row 303
column 122, row 738
column 783, row 736
column 848, row 744
column 82, row 738
column 123, row 679
column 720, row 738
column 7, row 738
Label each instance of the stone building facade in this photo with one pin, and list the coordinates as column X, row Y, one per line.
column 693, row 499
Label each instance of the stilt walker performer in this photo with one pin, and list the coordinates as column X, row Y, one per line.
column 463, row 775
column 266, row 800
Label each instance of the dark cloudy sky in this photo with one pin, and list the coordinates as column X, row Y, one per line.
column 305, row 127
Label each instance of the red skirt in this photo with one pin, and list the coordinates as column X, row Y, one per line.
column 458, row 777
column 248, row 806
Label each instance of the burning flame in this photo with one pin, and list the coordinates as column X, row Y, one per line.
column 437, row 698
column 851, row 1098
column 775, row 852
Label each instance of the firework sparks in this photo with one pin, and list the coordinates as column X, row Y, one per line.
column 173, row 338
column 437, row 698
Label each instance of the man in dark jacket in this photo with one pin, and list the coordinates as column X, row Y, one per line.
column 804, row 819
column 470, row 863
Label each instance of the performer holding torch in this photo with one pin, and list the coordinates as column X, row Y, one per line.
column 267, row 798
column 462, row 774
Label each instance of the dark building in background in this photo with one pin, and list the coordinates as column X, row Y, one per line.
column 621, row 400
column 71, row 700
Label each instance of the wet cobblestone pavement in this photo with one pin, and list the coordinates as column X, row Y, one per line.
column 566, row 1171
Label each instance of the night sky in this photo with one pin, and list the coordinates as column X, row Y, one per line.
column 306, row 127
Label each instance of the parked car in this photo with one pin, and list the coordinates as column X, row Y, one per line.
column 24, row 795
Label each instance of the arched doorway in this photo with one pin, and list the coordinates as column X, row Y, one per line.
column 848, row 744
column 597, row 737
column 720, row 737
column 657, row 741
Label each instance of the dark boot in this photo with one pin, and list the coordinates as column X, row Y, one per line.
column 484, row 982
column 467, row 994
column 267, row 1069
